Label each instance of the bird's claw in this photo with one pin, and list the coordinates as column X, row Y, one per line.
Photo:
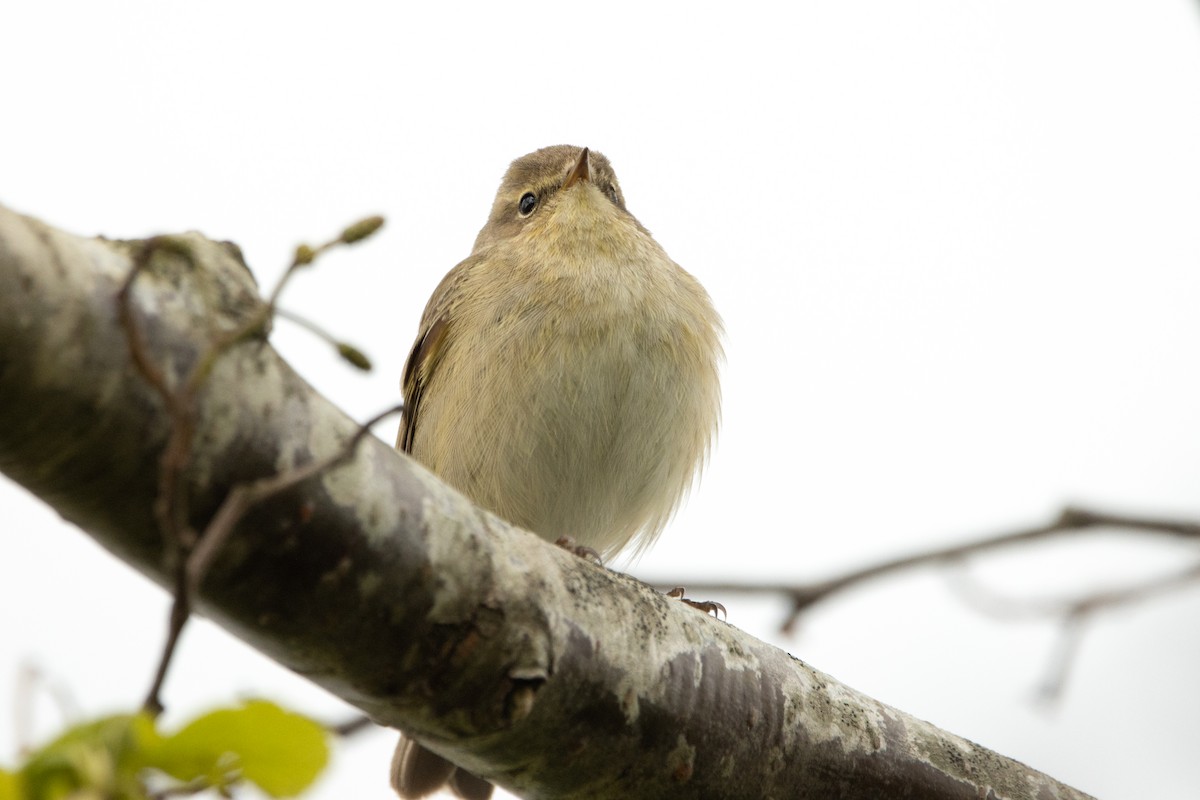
column 706, row 606
column 583, row 551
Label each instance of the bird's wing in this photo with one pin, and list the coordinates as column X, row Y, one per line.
column 427, row 350
column 417, row 372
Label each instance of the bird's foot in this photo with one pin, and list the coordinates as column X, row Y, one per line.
column 707, row 606
column 584, row 552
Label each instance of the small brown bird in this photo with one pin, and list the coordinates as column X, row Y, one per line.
column 565, row 377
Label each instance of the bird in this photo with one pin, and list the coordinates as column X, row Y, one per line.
column 565, row 377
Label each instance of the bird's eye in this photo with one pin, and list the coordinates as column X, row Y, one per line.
column 528, row 204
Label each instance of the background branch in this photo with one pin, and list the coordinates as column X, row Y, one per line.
column 1072, row 614
column 1071, row 520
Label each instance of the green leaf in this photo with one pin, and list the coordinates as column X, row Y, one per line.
column 105, row 759
column 100, row 758
column 10, row 785
column 279, row 751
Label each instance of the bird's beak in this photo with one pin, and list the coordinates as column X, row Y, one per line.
column 579, row 172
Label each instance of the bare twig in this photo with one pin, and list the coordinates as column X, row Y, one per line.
column 1062, row 658
column 303, row 256
column 1070, row 520
column 245, row 496
column 351, row 726
column 187, row 553
column 240, row 499
column 1006, row 607
column 170, row 509
column 180, row 613
column 170, row 506
column 345, row 350
column 31, row 682
column 1072, row 613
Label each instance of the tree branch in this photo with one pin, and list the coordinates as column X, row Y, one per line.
column 1070, row 520
column 531, row 667
column 1073, row 613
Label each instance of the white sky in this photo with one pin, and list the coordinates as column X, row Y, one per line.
column 955, row 246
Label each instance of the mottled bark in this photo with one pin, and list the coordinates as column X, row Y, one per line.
column 530, row 666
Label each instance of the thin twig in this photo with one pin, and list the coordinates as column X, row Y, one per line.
column 245, row 496
column 170, row 507
column 351, row 726
column 1070, row 520
column 188, row 555
column 1072, row 614
column 171, row 500
column 31, row 682
column 181, row 611
column 998, row 606
column 303, row 256
column 1063, row 657
column 345, row 350
column 241, row 498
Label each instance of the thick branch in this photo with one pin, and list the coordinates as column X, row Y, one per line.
column 534, row 668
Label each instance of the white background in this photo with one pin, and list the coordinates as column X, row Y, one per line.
column 954, row 243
